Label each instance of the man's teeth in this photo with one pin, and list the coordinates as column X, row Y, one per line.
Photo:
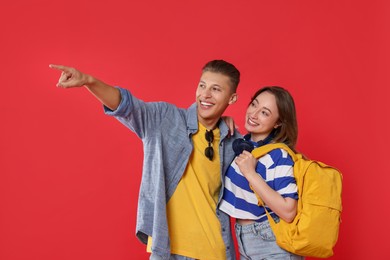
column 206, row 104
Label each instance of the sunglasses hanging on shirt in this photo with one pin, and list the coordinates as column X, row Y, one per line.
column 209, row 151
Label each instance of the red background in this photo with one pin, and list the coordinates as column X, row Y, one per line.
column 69, row 175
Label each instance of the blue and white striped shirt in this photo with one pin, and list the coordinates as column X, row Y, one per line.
column 239, row 200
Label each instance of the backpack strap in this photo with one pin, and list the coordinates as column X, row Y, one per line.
column 263, row 150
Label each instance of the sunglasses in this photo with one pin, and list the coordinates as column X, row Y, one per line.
column 209, row 151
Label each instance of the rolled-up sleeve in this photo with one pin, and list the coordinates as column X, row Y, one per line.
column 125, row 105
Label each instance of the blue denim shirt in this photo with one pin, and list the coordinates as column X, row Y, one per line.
column 166, row 132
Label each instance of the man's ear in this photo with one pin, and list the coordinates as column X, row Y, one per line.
column 233, row 99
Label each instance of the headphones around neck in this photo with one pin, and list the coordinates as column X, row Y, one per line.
column 245, row 144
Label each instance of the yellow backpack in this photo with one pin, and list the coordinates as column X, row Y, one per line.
column 314, row 231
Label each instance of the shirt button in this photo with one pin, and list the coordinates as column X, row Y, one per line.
column 223, row 230
column 228, row 247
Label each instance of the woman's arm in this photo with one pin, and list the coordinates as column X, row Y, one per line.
column 285, row 208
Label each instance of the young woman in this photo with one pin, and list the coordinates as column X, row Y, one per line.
column 270, row 118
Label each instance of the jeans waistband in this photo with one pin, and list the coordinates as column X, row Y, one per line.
column 255, row 226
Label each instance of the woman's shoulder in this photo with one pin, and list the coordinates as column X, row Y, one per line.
column 281, row 155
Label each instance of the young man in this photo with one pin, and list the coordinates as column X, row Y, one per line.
column 186, row 154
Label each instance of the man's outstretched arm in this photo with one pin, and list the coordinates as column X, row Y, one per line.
column 71, row 77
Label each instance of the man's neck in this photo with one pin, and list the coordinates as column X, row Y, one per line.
column 209, row 124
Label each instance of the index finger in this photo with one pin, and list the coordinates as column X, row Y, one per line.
column 60, row 67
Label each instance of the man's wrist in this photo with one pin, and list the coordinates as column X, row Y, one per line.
column 89, row 81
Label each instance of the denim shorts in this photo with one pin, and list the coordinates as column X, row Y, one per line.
column 257, row 241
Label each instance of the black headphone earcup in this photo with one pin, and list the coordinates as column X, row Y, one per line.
column 240, row 145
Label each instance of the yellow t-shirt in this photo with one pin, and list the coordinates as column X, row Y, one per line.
column 194, row 228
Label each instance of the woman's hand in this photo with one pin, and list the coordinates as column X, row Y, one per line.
column 247, row 164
